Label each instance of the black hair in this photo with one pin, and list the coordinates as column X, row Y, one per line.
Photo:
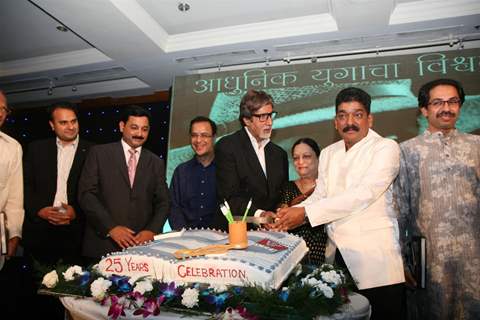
column 203, row 119
column 353, row 94
column 424, row 92
column 135, row 111
column 308, row 141
column 62, row 105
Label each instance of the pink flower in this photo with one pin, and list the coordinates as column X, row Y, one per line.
column 149, row 307
column 116, row 308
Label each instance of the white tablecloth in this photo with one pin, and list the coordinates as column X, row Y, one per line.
column 87, row 309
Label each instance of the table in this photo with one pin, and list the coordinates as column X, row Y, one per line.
column 87, row 309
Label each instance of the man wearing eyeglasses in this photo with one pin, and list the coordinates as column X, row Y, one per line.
column 438, row 194
column 193, row 186
column 249, row 165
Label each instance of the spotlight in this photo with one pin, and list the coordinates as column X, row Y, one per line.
column 183, row 6
column 314, row 59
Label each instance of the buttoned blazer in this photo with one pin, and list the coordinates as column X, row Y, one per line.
column 108, row 200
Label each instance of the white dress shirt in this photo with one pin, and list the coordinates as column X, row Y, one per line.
column 65, row 156
column 353, row 197
column 11, row 184
column 259, row 148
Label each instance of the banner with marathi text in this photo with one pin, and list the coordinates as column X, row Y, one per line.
column 304, row 96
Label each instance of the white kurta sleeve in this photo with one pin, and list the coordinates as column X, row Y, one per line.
column 378, row 176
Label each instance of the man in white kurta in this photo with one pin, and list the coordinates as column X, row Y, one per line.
column 353, row 198
column 438, row 194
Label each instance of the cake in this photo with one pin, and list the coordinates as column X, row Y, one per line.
column 267, row 262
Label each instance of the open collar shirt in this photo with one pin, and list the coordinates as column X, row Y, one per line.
column 65, row 156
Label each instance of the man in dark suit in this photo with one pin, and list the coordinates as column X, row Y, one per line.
column 125, row 204
column 249, row 165
column 54, row 223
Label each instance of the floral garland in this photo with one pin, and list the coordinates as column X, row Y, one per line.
column 307, row 293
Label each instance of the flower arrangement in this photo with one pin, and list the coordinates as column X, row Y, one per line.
column 307, row 293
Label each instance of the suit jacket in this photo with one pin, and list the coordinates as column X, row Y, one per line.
column 240, row 175
column 108, row 200
column 40, row 181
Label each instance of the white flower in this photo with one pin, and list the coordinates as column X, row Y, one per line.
column 218, row 288
column 231, row 314
column 134, row 279
column 143, row 286
column 50, row 280
column 190, row 297
column 310, row 281
column 99, row 287
column 326, row 290
column 331, row 277
column 70, row 273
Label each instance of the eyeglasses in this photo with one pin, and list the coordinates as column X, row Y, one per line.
column 439, row 103
column 5, row 110
column 200, row 135
column 262, row 117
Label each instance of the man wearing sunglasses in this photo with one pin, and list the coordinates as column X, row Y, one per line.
column 249, row 165
column 438, row 194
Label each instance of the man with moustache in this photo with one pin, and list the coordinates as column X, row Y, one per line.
column 249, row 165
column 122, row 189
column 438, row 194
column 353, row 197
column 54, row 223
column 193, row 186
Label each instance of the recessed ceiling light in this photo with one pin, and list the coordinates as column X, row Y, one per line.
column 183, row 6
column 62, row 28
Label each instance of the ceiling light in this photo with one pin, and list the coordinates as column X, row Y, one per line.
column 183, row 6
column 62, row 28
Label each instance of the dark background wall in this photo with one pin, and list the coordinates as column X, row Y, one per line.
column 98, row 121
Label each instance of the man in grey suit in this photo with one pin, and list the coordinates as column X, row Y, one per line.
column 122, row 189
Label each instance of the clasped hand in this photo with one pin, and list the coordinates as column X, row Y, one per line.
column 285, row 218
column 126, row 237
column 58, row 216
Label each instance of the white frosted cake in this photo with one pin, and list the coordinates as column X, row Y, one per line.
column 268, row 260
